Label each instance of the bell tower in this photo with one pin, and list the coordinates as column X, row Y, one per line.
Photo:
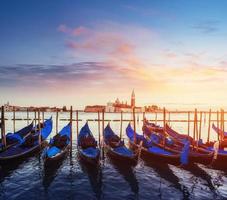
column 133, row 99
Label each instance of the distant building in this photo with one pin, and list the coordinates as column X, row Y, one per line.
column 119, row 106
column 95, row 108
column 8, row 107
column 152, row 108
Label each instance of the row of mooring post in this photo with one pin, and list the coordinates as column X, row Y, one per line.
column 197, row 130
column 36, row 112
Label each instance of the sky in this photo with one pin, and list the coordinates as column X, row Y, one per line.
column 79, row 52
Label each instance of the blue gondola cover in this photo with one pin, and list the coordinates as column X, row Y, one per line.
column 52, row 151
column 15, row 137
column 123, row 151
column 185, row 153
column 91, row 152
column 48, row 125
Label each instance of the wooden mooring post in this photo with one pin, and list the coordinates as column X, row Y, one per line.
column 194, row 128
column 77, row 124
column 209, row 122
column 164, row 125
column 103, row 127
column 71, row 126
column 99, row 129
column 121, row 125
column 188, row 123
column 3, row 127
column 27, row 116
column 56, row 122
column 43, row 116
column 197, row 131
column 223, row 121
column 134, row 124
column 39, row 126
column 168, row 118
column 35, row 119
column 218, row 125
column 14, row 118
column 200, row 125
column 144, row 118
column 222, row 124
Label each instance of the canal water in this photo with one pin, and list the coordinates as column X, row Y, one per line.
column 71, row 179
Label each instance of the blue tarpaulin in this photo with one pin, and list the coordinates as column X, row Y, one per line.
column 84, row 133
column 52, row 151
column 154, row 138
column 185, row 153
column 15, row 137
column 158, row 150
column 66, row 130
column 91, row 152
column 123, row 151
column 45, row 132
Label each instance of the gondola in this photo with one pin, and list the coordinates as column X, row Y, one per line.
column 87, row 146
column 220, row 162
column 150, row 152
column 176, row 142
column 116, row 148
column 16, row 138
column 30, row 146
column 222, row 135
column 58, row 147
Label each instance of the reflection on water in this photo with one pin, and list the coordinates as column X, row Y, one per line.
column 50, row 173
column 73, row 179
column 166, row 173
column 198, row 172
column 128, row 174
column 94, row 174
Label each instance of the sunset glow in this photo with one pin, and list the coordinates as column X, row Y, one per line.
column 172, row 53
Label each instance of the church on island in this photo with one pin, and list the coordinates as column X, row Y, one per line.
column 117, row 106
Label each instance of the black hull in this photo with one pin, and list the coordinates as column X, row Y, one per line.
column 14, row 159
column 220, row 163
column 196, row 156
column 151, row 157
column 120, row 158
column 12, row 143
column 88, row 160
column 202, row 159
column 54, row 160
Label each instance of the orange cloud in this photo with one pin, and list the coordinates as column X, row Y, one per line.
column 177, row 75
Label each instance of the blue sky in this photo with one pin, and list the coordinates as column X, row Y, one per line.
column 164, row 49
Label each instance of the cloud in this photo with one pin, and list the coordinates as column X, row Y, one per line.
column 116, row 48
column 135, row 57
column 208, row 26
column 79, row 75
column 79, row 31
